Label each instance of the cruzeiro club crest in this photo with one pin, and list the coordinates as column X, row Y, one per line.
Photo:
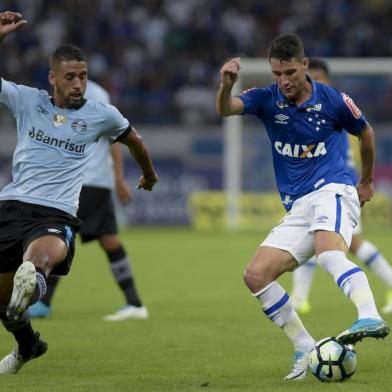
column 79, row 126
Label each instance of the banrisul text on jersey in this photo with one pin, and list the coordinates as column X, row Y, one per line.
column 40, row 136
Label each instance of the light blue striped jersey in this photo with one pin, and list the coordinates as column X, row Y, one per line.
column 54, row 145
column 100, row 170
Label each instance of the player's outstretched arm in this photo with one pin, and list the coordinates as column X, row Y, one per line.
column 140, row 153
column 10, row 21
column 124, row 194
column 226, row 105
column 367, row 151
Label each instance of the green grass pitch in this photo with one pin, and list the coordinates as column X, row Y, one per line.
column 205, row 333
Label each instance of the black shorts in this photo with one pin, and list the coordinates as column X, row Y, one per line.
column 21, row 223
column 96, row 211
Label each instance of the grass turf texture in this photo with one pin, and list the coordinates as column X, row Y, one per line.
column 206, row 333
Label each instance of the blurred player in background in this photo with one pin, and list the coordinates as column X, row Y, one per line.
column 96, row 211
column 304, row 121
column 56, row 138
column 364, row 250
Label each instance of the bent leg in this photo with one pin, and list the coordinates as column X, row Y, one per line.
column 354, row 284
column 41, row 256
column 266, row 266
column 330, row 249
column 260, row 276
column 46, row 252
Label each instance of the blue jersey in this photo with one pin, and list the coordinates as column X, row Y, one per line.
column 306, row 140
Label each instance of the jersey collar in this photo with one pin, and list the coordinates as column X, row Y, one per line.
column 77, row 108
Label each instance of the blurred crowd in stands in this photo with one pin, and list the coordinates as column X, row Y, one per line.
column 159, row 59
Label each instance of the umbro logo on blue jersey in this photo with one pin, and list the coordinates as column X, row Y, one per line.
column 281, row 118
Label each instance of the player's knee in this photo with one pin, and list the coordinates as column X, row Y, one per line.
column 256, row 279
column 110, row 243
column 45, row 262
column 46, row 253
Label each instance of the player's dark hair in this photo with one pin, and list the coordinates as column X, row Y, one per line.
column 285, row 47
column 67, row 52
column 316, row 63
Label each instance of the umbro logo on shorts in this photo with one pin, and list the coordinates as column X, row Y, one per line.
column 322, row 219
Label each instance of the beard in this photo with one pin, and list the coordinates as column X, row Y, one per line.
column 72, row 100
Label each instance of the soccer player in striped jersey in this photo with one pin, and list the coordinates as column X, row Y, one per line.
column 104, row 174
column 304, row 121
column 57, row 136
column 364, row 250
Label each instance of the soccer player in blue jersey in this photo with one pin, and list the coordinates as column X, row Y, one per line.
column 363, row 249
column 304, row 121
column 56, row 138
column 96, row 211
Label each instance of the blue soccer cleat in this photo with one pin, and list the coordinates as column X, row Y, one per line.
column 40, row 310
column 364, row 328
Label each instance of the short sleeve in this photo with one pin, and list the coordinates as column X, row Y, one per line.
column 115, row 124
column 15, row 96
column 255, row 99
column 350, row 116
